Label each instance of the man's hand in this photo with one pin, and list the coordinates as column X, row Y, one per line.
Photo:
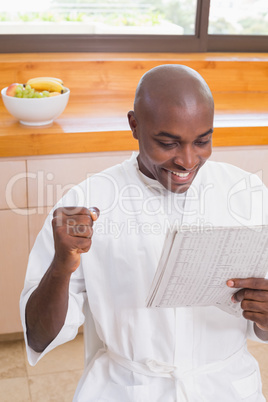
column 254, row 300
column 72, row 230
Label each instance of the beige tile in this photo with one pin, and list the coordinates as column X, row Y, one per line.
column 14, row 250
column 259, row 351
column 14, row 390
column 253, row 159
column 11, row 337
column 69, row 356
column 50, row 179
column 12, row 360
column 36, row 222
column 56, row 387
column 13, row 184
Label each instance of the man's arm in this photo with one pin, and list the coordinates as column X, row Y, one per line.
column 47, row 307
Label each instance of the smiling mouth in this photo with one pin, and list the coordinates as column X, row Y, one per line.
column 183, row 175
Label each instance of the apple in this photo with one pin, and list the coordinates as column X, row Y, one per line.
column 54, row 93
column 11, row 90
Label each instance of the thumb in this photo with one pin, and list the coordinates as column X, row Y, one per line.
column 94, row 213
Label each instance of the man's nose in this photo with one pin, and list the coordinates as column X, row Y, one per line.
column 186, row 157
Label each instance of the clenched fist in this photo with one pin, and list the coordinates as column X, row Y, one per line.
column 72, row 230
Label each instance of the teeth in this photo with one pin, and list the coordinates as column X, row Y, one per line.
column 181, row 174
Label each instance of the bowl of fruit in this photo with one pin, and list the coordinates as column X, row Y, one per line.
column 37, row 102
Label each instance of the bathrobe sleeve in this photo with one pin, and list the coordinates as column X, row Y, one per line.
column 40, row 259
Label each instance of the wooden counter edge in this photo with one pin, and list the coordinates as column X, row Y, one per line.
column 109, row 141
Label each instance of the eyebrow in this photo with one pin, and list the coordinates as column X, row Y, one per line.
column 178, row 137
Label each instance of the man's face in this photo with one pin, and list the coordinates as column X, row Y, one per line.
column 174, row 142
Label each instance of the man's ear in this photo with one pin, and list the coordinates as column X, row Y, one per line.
column 132, row 124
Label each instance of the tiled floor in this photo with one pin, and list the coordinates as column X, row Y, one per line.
column 55, row 377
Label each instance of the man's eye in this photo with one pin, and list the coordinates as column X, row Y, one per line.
column 200, row 143
column 167, row 144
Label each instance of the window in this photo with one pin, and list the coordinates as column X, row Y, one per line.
column 238, row 17
column 161, row 17
column 238, row 25
column 134, row 26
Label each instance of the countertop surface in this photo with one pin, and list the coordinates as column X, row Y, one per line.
column 100, row 124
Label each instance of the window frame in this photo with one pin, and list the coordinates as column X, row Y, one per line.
column 201, row 41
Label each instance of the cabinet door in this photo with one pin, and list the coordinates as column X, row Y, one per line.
column 36, row 222
column 50, row 179
column 14, row 256
column 253, row 159
column 13, row 184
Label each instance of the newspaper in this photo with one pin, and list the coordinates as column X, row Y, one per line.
column 195, row 265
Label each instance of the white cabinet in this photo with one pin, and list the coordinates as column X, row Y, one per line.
column 14, row 255
column 253, row 159
column 13, row 184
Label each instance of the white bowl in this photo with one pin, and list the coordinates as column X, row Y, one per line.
column 35, row 111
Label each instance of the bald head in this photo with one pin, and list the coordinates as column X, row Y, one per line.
column 173, row 122
column 172, row 84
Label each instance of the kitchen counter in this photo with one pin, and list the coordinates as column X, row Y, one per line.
column 100, row 125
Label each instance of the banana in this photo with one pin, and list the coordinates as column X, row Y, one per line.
column 46, row 78
column 46, row 84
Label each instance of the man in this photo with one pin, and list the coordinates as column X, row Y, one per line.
column 163, row 354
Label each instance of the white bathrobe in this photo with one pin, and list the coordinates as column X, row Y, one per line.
column 153, row 354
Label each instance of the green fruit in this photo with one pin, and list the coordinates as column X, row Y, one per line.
column 31, row 93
